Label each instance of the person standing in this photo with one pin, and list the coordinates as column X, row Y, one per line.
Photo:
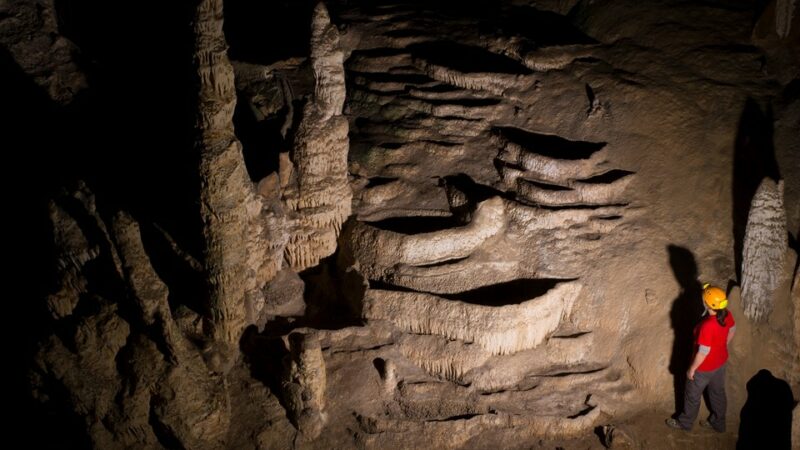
column 707, row 371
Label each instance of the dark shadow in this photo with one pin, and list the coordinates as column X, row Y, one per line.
column 33, row 132
column 686, row 310
column 511, row 292
column 549, row 145
column 766, row 418
column 265, row 32
column 264, row 354
column 753, row 160
column 466, row 58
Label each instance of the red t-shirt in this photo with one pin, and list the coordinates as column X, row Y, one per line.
column 710, row 334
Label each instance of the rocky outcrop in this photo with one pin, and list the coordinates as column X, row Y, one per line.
column 764, row 249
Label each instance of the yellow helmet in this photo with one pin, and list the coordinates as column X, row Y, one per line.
column 714, row 297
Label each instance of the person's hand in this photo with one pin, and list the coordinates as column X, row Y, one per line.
column 690, row 374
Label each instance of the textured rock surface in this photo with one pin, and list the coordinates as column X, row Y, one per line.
column 243, row 244
column 764, row 249
column 319, row 193
column 29, row 32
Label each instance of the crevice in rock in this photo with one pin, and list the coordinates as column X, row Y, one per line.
column 582, row 412
column 608, row 177
column 570, row 372
column 447, row 262
column 416, row 224
column 379, row 181
column 465, row 58
column 550, row 145
column 509, row 293
column 571, row 336
column 386, row 77
column 165, row 436
column 455, row 418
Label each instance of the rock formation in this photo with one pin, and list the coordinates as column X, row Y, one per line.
column 304, row 384
column 764, row 249
column 243, row 244
column 319, row 193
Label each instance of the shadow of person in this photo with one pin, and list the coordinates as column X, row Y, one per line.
column 766, row 417
column 686, row 311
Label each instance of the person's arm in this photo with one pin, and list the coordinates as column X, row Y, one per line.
column 731, row 332
column 699, row 357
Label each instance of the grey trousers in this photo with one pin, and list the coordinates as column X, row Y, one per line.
column 717, row 402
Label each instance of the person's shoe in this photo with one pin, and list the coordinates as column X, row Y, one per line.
column 706, row 424
column 672, row 423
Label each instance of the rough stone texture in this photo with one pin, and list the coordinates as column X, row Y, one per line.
column 29, row 32
column 123, row 363
column 319, row 193
column 244, row 240
column 304, row 384
column 764, row 249
column 499, row 330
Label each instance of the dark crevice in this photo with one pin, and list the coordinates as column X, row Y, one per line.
column 465, row 58
column 454, row 418
column 545, row 186
column 550, row 145
column 438, row 88
column 509, row 293
column 408, row 32
column 448, row 262
column 572, row 336
column 262, row 140
column 583, row 412
column 608, row 218
column 379, row 181
column 475, row 192
column 461, row 101
column 385, row 77
column 378, row 52
column 416, row 224
column 391, row 145
column 608, row 177
column 166, row 437
column 576, row 206
column 568, row 373
column 186, row 285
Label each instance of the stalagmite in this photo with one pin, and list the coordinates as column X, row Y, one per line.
column 764, row 251
column 304, row 384
column 320, row 195
column 243, row 241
